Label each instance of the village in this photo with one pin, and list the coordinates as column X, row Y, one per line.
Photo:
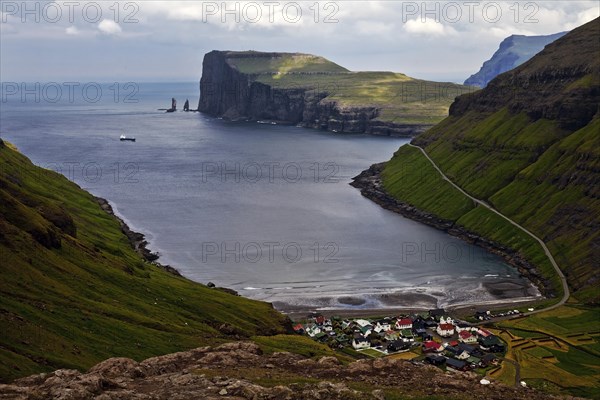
column 432, row 337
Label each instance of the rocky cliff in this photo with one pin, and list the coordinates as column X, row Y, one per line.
column 240, row 370
column 310, row 91
column 513, row 51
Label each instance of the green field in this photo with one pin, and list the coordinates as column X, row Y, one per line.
column 561, row 364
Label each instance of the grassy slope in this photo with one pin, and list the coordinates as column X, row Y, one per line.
column 538, row 170
column 401, row 99
column 93, row 297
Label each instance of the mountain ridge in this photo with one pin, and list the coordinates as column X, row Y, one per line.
column 512, row 52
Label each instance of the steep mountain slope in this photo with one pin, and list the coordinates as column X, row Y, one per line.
column 74, row 292
column 529, row 144
column 513, row 51
column 313, row 92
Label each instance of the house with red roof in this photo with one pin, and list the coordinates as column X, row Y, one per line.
column 466, row 337
column 445, row 330
column 431, row 346
column 404, row 323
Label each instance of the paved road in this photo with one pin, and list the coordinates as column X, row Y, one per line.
column 540, row 241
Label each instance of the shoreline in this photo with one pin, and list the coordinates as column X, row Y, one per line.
column 370, row 185
column 366, row 181
column 136, row 239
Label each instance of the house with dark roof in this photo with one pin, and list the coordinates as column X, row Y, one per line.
column 423, row 334
column 456, row 352
column 437, row 313
column 492, row 344
column 434, row 359
column 398, row 345
column 361, row 342
column 467, row 347
column 457, row 365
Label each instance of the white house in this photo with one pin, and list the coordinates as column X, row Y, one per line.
column 360, row 343
column 313, row 330
column 362, row 322
column 446, row 320
column 382, row 327
column 445, row 330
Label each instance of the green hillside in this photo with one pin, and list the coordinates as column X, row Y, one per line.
column 252, row 62
column 529, row 145
column 73, row 292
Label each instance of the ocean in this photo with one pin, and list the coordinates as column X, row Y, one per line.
column 264, row 209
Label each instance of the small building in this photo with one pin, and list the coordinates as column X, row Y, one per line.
column 418, row 322
column 492, row 344
column 407, row 334
column 466, row 337
column 319, row 319
column 435, row 359
column 431, row 346
column 474, row 361
column 362, row 322
column 468, row 348
column 321, row 337
column 360, row 342
column 431, row 324
column 299, row 329
column 391, row 335
column 342, row 340
column 404, row 323
column 437, row 313
column 484, row 332
column 457, row 352
column 313, row 330
column 463, row 326
column 457, row 365
column 422, row 333
column 445, row 330
column 398, row 345
column 366, row 330
column 382, row 326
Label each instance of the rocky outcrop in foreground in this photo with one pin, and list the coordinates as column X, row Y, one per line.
column 239, row 370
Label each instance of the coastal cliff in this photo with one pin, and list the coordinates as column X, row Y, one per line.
column 310, row 91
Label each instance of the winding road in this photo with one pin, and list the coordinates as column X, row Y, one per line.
column 563, row 280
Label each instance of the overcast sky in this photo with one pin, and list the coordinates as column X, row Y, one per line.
column 148, row 41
